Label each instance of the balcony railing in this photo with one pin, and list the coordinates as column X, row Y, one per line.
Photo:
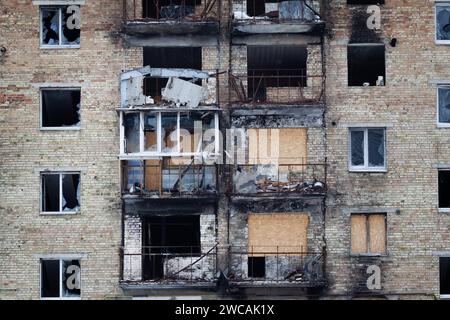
column 276, row 11
column 277, row 86
column 147, row 180
column 171, row 10
column 275, row 265
column 279, row 178
column 169, row 264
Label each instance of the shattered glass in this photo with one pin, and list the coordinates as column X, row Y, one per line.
column 61, row 108
column 376, row 147
column 50, row 191
column 50, row 26
column 443, row 23
column 71, row 278
column 131, row 123
column 151, row 132
column 168, row 132
column 444, row 105
column 71, row 192
column 357, row 144
column 69, row 36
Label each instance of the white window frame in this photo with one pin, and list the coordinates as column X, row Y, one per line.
column 61, row 260
column 60, row 212
column 55, row 46
column 442, row 210
column 41, row 110
column 441, row 124
column 437, row 5
column 159, row 153
column 366, row 167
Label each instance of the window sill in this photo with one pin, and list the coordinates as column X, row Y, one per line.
column 367, row 170
column 444, row 296
column 63, row 298
column 61, row 213
column 443, row 125
column 442, row 42
column 59, row 47
column 444, row 210
column 368, row 255
column 60, row 128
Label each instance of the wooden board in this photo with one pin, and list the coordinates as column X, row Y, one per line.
column 359, row 233
column 377, row 233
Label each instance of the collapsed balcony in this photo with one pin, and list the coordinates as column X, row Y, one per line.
column 263, row 179
column 168, row 87
column 275, row 266
column 155, row 178
column 269, row 16
column 277, row 86
column 171, row 17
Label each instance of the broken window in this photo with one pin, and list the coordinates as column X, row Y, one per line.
column 256, row 267
column 367, row 149
column 60, row 279
column 444, row 105
column 169, row 9
column 174, row 235
column 444, row 189
column 180, row 58
column 60, row 26
column 444, row 276
column 277, row 9
column 443, row 23
column 366, row 65
column 60, row 108
column 275, row 67
column 170, row 132
column 368, row 233
column 60, row 192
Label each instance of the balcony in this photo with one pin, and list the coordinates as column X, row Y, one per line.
column 270, row 17
column 266, row 179
column 277, row 87
column 168, row 267
column 140, row 179
column 171, row 17
column 276, row 266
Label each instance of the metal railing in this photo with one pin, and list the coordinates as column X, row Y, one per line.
column 279, row 178
column 280, row 86
column 175, row 10
column 276, row 11
column 169, row 263
column 276, row 264
column 169, row 179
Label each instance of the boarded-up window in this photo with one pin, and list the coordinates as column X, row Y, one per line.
column 272, row 233
column 368, row 232
column 277, row 146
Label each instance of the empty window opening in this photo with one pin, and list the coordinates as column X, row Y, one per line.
column 275, row 67
column 60, row 192
column 256, row 267
column 169, row 9
column 180, row 58
column 367, row 149
column 443, row 23
column 444, row 276
column 169, row 235
column 368, row 233
column 279, row 9
column 444, row 189
column 444, row 105
column 60, row 279
column 60, row 108
column 366, row 65
column 55, row 29
column 365, row 1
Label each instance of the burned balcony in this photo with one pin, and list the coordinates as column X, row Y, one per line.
column 171, row 17
column 277, row 86
column 280, row 266
column 169, row 265
column 168, row 87
column 155, row 178
column 265, row 179
column 275, row 17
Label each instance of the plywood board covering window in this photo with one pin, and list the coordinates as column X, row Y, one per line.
column 285, row 232
column 277, row 146
column 368, row 233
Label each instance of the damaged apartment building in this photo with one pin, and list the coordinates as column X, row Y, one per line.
column 224, row 149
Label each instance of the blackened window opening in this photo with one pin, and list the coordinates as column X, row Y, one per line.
column 366, row 65
column 169, row 57
column 61, row 108
column 168, row 9
column 256, row 267
column 49, row 278
column 444, row 189
column 444, row 275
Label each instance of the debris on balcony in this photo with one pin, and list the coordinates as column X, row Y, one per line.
column 178, row 91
